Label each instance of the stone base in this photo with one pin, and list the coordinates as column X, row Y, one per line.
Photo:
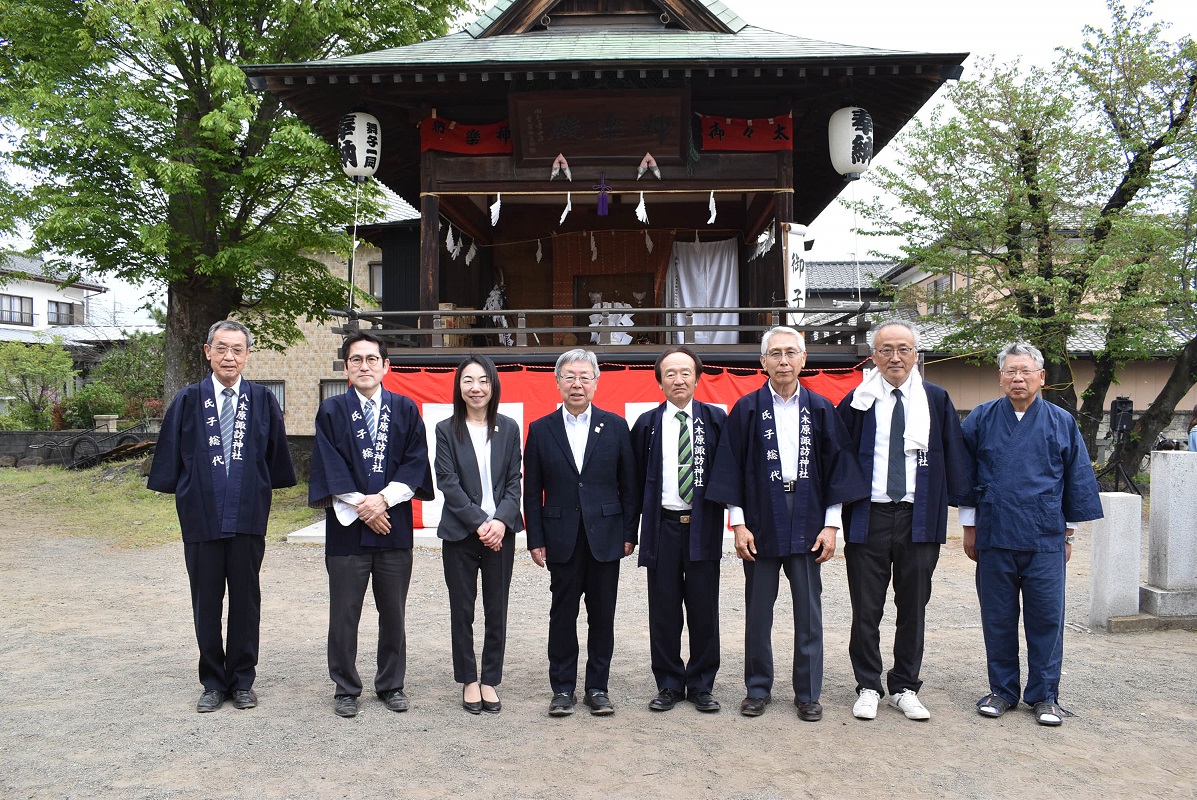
column 1167, row 602
column 1147, row 622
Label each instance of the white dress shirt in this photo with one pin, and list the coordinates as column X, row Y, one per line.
column 482, row 454
column 671, row 498
column 883, row 410
column 577, row 429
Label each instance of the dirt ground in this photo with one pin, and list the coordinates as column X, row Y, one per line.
column 97, row 652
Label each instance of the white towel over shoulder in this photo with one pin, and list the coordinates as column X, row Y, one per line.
column 918, row 412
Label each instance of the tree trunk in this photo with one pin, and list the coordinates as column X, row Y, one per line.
column 1146, row 430
column 189, row 315
column 1093, row 401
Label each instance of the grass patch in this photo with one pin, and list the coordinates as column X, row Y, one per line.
column 112, row 503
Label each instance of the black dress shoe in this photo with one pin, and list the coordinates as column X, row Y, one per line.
column 665, row 700
column 244, row 698
column 210, row 700
column 345, row 705
column 703, row 701
column 562, row 704
column 754, row 706
column 492, row 706
column 600, row 704
column 809, row 712
column 472, row 706
column 395, row 700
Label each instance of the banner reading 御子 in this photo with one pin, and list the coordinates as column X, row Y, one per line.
column 528, row 394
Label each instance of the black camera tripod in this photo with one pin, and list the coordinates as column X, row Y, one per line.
column 1116, row 469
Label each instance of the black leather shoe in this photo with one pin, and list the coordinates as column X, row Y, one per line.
column 492, row 706
column 345, row 705
column 703, row 701
column 472, row 706
column 210, row 700
column 562, row 704
column 809, row 712
column 754, row 706
column 395, row 700
column 665, row 700
column 598, row 701
column 244, row 698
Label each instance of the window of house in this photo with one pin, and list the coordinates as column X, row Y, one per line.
column 936, row 294
column 376, row 280
column 332, row 388
column 64, row 313
column 16, row 310
column 278, row 389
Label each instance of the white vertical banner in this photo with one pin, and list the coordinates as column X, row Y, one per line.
column 793, row 238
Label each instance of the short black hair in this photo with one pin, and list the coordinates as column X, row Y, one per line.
column 362, row 336
column 679, row 348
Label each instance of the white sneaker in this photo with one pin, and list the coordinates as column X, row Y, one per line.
column 909, row 704
column 866, row 704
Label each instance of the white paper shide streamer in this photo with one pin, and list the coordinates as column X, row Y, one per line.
column 642, row 211
column 593, row 249
column 449, row 244
column 495, row 208
column 711, row 221
column 539, row 252
column 569, row 206
column 648, row 242
column 472, row 252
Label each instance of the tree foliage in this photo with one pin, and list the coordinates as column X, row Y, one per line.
column 153, row 161
column 36, row 375
column 135, row 369
column 1062, row 202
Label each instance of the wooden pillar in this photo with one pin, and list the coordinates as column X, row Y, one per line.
column 430, row 266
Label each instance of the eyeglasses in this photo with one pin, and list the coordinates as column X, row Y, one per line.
column 888, row 352
column 777, row 355
column 223, row 350
column 357, row 361
column 1020, row 373
column 568, row 380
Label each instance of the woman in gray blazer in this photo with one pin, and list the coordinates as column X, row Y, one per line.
column 478, row 471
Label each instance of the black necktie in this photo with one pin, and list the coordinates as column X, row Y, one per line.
column 895, row 485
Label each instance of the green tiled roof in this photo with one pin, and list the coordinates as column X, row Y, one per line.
column 566, row 46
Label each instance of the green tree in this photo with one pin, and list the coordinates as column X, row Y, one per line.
column 1057, row 198
column 153, row 161
column 135, row 369
column 36, row 375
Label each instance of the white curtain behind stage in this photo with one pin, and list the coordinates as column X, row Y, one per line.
column 705, row 275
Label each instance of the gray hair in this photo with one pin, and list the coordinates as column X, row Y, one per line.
column 901, row 323
column 230, row 325
column 576, row 355
column 769, row 334
column 1020, row 349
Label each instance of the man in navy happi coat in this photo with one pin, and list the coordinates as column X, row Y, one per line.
column 907, row 439
column 681, row 532
column 370, row 460
column 1032, row 483
column 221, row 451
column 783, row 468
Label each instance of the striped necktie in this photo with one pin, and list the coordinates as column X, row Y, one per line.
column 371, row 425
column 895, row 485
column 685, row 460
column 227, row 412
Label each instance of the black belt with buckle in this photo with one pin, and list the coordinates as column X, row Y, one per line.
column 677, row 516
column 789, row 486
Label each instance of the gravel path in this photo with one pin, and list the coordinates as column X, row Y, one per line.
column 97, row 651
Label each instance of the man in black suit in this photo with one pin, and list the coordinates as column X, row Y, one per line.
column 581, row 516
column 683, row 532
column 222, row 449
column 369, row 462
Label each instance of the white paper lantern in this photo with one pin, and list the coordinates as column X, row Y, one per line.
column 850, row 139
column 359, row 141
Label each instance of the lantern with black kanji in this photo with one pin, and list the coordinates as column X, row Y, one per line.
column 359, row 141
column 850, row 139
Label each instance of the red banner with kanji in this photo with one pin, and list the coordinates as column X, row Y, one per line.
column 733, row 134
column 529, row 393
column 448, row 136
